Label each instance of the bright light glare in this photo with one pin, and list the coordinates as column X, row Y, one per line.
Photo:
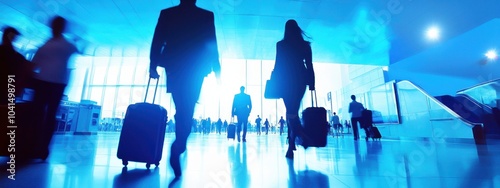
column 491, row 54
column 433, row 33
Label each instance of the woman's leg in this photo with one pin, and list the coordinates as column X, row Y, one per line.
column 292, row 104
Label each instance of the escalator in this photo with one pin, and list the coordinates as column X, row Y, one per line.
column 423, row 115
column 463, row 106
column 443, row 117
column 466, row 105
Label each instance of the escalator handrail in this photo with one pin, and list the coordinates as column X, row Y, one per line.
column 483, row 106
column 477, row 85
column 446, row 108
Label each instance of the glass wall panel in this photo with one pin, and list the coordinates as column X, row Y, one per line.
column 114, row 69
column 108, row 104
column 267, row 68
column 382, row 102
column 124, row 79
column 137, row 94
column 96, row 94
column 99, row 74
column 255, row 94
column 142, row 73
column 254, row 72
column 99, row 70
column 122, row 101
column 127, row 70
column 208, row 103
column 233, row 74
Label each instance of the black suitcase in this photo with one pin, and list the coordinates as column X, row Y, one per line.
column 315, row 124
column 231, row 131
column 366, row 118
column 375, row 133
column 143, row 132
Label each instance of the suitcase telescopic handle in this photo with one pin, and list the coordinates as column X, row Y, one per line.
column 314, row 98
column 147, row 88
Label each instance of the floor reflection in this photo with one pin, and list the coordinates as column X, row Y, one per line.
column 305, row 178
column 137, row 178
column 238, row 163
column 212, row 161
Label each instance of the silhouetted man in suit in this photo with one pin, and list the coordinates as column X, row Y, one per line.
column 355, row 108
column 185, row 44
column 242, row 106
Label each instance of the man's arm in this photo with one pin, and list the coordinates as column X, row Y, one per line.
column 157, row 45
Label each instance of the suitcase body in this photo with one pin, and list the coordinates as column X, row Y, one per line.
column 231, row 131
column 375, row 133
column 143, row 134
column 316, row 126
column 366, row 118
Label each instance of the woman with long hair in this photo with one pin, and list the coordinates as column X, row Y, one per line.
column 293, row 71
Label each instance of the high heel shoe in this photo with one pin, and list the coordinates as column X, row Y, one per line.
column 175, row 164
column 175, row 153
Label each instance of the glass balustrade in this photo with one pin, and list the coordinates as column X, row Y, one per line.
column 487, row 93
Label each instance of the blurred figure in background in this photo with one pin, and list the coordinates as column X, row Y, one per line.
column 218, row 126
column 15, row 64
column 282, row 125
column 266, row 126
column 258, row 124
column 51, row 62
column 337, row 126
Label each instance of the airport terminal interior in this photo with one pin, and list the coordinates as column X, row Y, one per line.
column 428, row 71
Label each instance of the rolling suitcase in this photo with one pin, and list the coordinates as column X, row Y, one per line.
column 366, row 118
column 231, row 131
column 367, row 122
column 315, row 124
column 143, row 132
column 375, row 133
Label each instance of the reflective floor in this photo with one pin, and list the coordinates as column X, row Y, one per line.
column 213, row 161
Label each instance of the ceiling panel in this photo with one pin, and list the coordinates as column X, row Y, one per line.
column 342, row 31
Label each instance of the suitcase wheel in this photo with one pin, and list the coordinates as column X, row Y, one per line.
column 148, row 165
column 125, row 163
column 157, row 164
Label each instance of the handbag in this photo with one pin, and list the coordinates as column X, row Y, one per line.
column 272, row 88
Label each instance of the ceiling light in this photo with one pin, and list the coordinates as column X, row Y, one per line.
column 433, row 33
column 491, row 54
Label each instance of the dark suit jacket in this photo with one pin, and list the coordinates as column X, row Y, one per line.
column 242, row 105
column 184, row 42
